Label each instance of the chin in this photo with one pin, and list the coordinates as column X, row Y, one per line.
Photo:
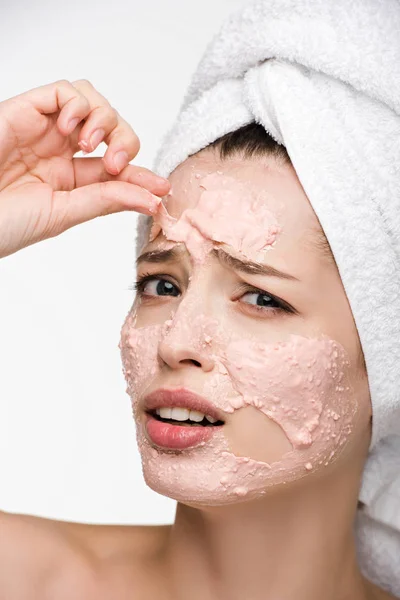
column 210, row 475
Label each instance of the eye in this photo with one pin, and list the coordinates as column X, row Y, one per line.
column 260, row 299
column 261, row 303
column 155, row 286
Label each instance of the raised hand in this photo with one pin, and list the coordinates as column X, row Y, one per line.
column 44, row 190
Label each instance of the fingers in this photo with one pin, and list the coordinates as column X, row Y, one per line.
column 92, row 170
column 105, row 124
column 123, row 146
column 99, row 199
column 79, row 102
column 62, row 97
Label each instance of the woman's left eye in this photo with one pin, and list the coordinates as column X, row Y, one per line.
column 260, row 299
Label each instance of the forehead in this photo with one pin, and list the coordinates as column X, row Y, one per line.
column 262, row 179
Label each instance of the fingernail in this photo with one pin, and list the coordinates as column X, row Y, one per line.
column 154, row 203
column 120, row 160
column 72, row 124
column 96, row 137
column 84, row 146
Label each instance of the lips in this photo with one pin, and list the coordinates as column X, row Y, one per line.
column 171, row 434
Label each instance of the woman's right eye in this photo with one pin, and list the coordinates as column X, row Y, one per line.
column 155, row 286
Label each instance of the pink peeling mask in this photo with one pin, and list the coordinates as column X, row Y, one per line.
column 253, row 229
column 298, row 387
column 299, row 384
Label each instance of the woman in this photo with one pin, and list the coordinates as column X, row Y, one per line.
column 242, row 358
column 211, row 551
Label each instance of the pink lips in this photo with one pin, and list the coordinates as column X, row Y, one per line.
column 178, row 437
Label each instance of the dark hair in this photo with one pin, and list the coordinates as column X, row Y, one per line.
column 253, row 141
column 250, row 141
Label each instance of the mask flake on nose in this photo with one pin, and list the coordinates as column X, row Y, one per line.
column 198, row 332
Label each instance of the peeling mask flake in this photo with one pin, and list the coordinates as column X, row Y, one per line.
column 253, row 230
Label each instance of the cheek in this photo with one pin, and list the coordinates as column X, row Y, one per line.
column 251, row 433
column 292, row 396
column 303, row 387
column 139, row 353
column 291, row 407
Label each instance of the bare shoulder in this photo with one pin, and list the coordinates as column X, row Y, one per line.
column 124, row 559
column 35, row 555
column 117, row 544
column 54, row 559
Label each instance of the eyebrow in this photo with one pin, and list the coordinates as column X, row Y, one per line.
column 158, row 256
column 249, row 267
column 237, row 264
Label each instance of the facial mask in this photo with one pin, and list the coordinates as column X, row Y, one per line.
column 227, row 212
column 299, row 384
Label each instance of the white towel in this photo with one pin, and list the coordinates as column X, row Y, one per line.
column 323, row 78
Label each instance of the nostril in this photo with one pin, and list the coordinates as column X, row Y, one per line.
column 191, row 361
column 180, row 354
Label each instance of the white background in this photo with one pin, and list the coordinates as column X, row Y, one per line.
column 67, row 440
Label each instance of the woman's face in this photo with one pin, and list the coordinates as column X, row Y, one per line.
column 240, row 317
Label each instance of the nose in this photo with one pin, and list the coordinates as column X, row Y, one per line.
column 187, row 343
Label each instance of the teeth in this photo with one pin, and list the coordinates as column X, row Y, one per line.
column 195, row 415
column 165, row 413
column 183, row 414
column 179, row 414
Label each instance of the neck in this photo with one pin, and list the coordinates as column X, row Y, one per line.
column 295, row 545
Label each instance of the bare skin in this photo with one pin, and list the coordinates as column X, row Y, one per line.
column 49, row 559
column 43, row 191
